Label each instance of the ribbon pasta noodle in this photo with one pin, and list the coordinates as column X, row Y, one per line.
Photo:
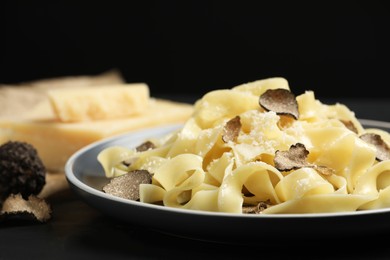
column 223, row 159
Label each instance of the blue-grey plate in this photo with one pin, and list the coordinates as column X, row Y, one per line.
column 86, row 178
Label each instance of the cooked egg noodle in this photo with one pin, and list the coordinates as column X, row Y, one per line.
column 195, row 169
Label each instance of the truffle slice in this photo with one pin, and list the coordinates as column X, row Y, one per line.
column 348, row 124
column 145, row 146
column 295, row 158
column 382, row 149
column 281, row 101
column 292, row 159
column 34, row 209
column 231, row 129
column 127, row 186
column 256, row 209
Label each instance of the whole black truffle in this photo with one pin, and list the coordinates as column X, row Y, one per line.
column 21, row 170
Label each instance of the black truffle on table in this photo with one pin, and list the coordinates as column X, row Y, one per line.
column 21, row 170
column 22, row 178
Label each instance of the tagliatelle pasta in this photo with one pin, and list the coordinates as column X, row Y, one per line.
column 238, row 155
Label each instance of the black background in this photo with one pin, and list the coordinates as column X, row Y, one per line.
column 334, row 48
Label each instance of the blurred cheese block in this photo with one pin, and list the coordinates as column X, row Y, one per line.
column 57, row 141
column 28, row 115
column 19, row 99
column 88, row 104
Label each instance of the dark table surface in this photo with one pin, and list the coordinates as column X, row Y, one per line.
column 78, row 231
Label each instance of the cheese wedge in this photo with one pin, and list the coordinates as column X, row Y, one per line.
column 19, row 100
column 109, row 77
column 26, row 114
column 56, row 141
column 96, row 103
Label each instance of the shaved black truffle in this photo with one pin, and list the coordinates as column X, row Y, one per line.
column 145, row 146
column 295, row 158
column 18, row 210
column 231, row 130
column 382, row 149
column 256, row 209
column 127, row 186
column 21, row 170
column 281, row 101
column 349, row 124
column 292, row 159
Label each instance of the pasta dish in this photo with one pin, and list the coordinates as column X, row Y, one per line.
column 258, row 149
